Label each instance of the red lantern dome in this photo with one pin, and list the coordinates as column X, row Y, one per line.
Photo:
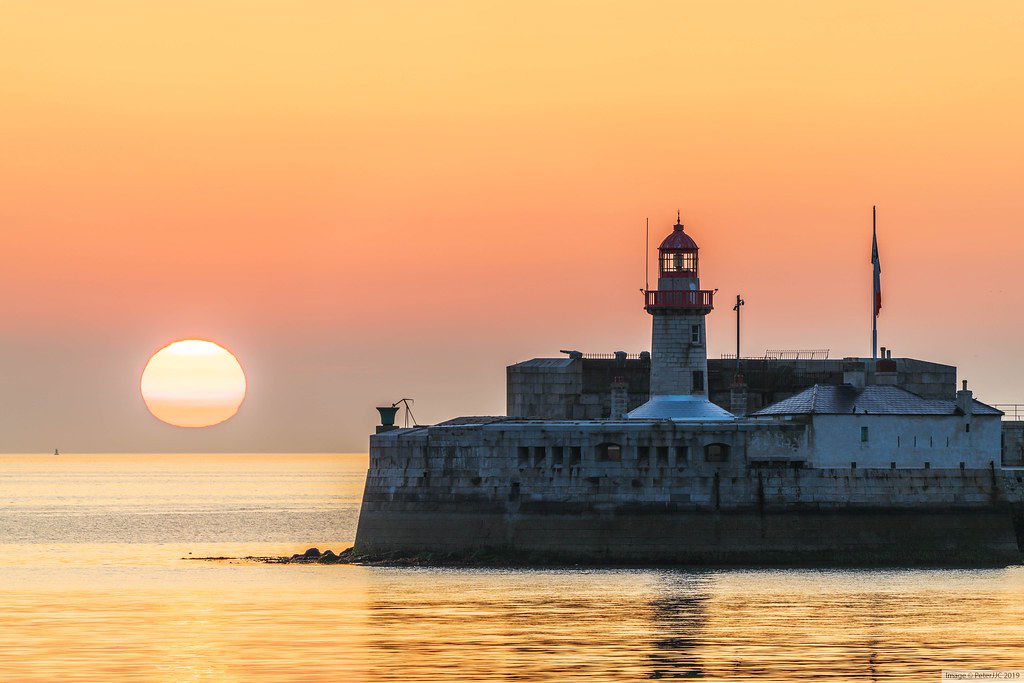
column 677, row 255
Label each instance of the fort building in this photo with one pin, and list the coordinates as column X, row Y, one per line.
column 666, row 456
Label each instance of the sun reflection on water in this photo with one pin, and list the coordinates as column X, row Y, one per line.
column 93, row 586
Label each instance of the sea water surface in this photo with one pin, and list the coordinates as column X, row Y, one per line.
column 94, row 585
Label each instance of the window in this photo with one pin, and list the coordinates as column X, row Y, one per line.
column 539, row 453
column 609, row 452
column 679, row 264
column 524, row 456
column 682, row 455
column 663, row 456
column 967, row 427
column 698, row 380
column 963, row 465
column 892, row 465
column 716, row 452
column 853, row 465
column 863, row 434
column 695, row 334
column 575, row 455
column 927, row 465
column 643, row 455
column 557, row 455
column 897, row 441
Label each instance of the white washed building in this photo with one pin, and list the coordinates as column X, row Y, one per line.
column 880, row 426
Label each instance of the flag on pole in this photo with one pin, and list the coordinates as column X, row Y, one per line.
column 877, row 265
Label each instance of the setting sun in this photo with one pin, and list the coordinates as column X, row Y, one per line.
column 193, row 383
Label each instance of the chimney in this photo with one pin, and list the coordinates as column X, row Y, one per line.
column 620, row 397
column 965, row 400
column 854, row 372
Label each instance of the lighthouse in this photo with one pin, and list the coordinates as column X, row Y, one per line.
column 679, row 357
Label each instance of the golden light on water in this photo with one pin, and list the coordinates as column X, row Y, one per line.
column 193, row 383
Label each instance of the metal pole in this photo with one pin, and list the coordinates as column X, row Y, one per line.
column 739, row 302
column 647, row 257
column 874, row 295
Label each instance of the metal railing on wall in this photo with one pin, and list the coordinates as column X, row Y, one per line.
column 1012, row 412
column 785, row 354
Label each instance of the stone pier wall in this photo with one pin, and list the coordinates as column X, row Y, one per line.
column 457, row 488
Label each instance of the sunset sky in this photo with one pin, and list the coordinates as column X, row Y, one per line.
column 368, row 201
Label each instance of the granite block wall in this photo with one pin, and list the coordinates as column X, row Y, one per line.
column 667, row 494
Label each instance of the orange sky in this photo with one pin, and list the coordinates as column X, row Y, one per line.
column 366, row 201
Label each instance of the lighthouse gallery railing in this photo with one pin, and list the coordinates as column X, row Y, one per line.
column 682, row 298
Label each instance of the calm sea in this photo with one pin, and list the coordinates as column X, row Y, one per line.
column 93, row 586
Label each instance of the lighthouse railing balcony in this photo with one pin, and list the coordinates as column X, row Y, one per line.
column 679, row 298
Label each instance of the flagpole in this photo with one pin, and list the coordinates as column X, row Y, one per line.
column 874, row 294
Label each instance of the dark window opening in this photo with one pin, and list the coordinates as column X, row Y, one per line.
column 695, row 334
column 698, row 380
column 643, row 456
column 967, row 427
column 853, row 465
column 892, row 465
column 609, row 452
column 927, row 465
column 524, row 456
column 682, row 456
column 539, row 455
column 663, row 456
column 513, row 493
column 863, row 434
column 557, row 455
column 716, row 452
column 963, row 465
column 575, row 455
column 777, row 464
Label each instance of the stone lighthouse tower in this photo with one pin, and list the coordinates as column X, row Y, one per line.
column 679, row 358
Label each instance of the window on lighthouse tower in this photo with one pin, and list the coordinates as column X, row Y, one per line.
column 679, row 263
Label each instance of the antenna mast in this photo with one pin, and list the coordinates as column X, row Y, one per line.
column 739, row 302
column 647, row 255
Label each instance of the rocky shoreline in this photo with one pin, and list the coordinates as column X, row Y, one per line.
column 509, row 558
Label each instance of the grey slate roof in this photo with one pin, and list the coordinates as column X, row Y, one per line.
column 875, row 399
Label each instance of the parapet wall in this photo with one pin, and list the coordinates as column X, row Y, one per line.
column 580, row 388
column 1013, row 443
